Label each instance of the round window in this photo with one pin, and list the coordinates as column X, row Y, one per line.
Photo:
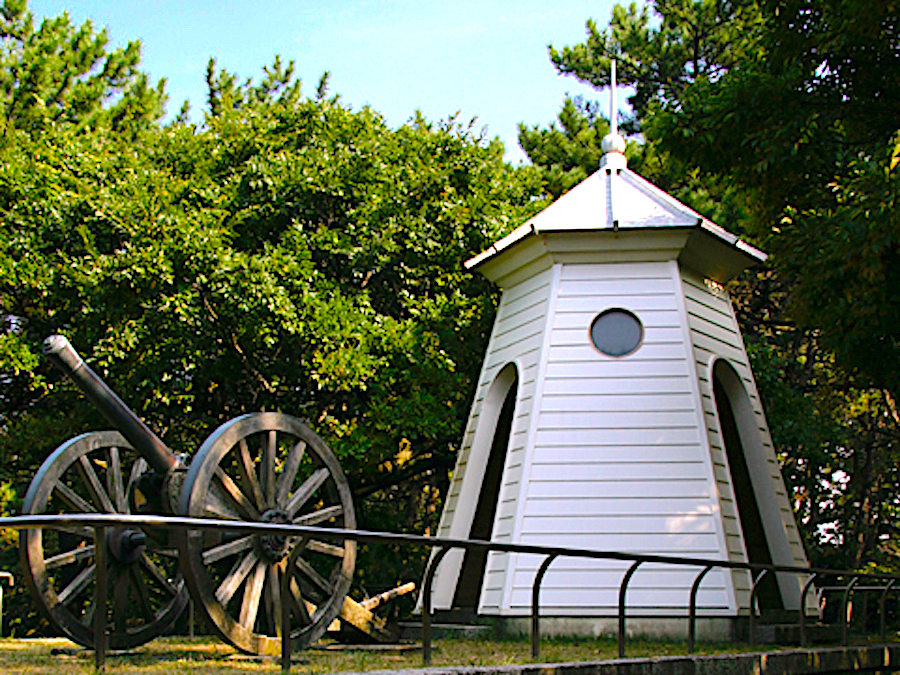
column 617, row 332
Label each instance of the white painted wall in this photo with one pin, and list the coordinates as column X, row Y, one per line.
column 616, row 459
column 515, row 341
column 606, row 453
column 715, row 335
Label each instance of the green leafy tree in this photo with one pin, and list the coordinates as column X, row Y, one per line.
column 662, row 53
column 808, row 127
column 59, row 72
column 288, row 254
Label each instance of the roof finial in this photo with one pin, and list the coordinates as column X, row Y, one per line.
column 613, row 141
column 613, row 103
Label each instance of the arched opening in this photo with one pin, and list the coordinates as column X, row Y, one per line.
column 753, row 491
column 471, row 576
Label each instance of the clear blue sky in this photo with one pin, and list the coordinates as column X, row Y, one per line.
column 486, row 59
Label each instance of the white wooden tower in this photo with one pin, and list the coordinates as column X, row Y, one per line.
column 616, row 410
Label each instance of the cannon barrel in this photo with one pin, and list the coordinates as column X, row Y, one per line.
column 147, row 444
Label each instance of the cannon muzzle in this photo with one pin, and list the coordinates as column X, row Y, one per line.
column 147, row 444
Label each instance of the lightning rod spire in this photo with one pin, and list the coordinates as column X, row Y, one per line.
column 613, row 143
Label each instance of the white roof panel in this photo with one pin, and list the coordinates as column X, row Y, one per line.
column 614, row 198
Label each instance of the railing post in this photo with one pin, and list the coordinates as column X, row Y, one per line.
column 535, row 606
column 881, row 611
column 286, row 644
column 806, row 587
column 692, row 609
column 426, row 603
column 623, row 588
column 845, row 605
column 100, row 592
column 753, row 591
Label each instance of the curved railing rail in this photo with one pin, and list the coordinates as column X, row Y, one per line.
column 99, row 523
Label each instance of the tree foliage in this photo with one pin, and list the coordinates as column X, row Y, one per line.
column 289, row 253
column 61, row 73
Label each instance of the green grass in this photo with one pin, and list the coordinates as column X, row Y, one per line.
column 206, row 655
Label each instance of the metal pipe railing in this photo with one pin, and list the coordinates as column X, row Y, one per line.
column 754, row 590
column 426, row 602
column 101, row 521
column 100, row 593
column 623, row 588
column 692, row 609
column 882, row 614
column 845, row 615
column 806, row 587
column 536, row 605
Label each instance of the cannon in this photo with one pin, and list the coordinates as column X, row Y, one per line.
column 263, row 467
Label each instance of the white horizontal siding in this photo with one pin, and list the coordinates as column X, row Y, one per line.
column 619, row 524
column 615, row 454
column 617, row 462
column 553, row 438
column 517, row 337
column 686, row 490
column 570, row 506
column 663, row 588
column 618, row 386
column 715, row 334
column 617, row 402
column 623, row 471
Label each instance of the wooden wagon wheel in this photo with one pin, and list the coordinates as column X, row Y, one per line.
column 97, row 472
column 266, row 467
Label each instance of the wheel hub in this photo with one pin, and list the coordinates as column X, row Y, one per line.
column 126, row 544
column 274, row 547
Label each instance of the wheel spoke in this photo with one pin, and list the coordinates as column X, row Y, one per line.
column 114, row 480
column 140, row 587
column 217, row 506
column 118, row 579
column 273, row 600
column 289, row 473
column 298, row 604
column 319, row 516
column 314, row 576
column 167, row 552
column 79, row 530
column 236, row 576
column 253, row 591
column 305, row 491
column 78, row 584
column 230, row 548
column 268, row 468
column 93, row 484
column 137, row 470
column 157, row 574
column 233, row 493
column 248, row 474
column 73, row 499
column 327, row 549
column 69, row 557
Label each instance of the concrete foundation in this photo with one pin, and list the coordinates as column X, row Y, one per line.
column 718, row 629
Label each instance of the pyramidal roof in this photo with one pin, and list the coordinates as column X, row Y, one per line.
column 615, row 198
